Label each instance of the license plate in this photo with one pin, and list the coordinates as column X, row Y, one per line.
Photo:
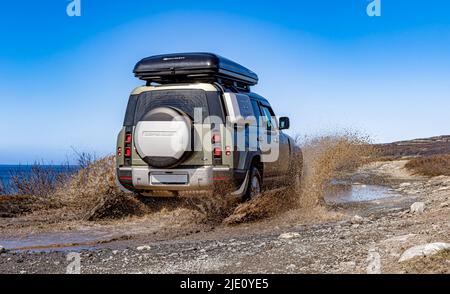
column 167, row 179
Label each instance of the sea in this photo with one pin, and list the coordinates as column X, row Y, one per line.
column 8, row 171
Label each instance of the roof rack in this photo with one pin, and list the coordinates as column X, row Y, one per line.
column 195, row 67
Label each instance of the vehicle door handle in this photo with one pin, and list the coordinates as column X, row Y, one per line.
column 260, row 139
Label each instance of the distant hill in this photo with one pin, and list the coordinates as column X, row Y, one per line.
column 416, row 147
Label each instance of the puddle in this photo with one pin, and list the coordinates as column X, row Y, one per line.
column 341, row 192
column 92, row 237
column 58, row 241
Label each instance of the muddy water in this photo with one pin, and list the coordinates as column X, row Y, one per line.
column 57, row 241
column 342, row 192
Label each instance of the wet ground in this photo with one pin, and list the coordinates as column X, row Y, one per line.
column 339, row 192
column 333, row 241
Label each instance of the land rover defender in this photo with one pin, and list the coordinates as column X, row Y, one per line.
column 195, row 125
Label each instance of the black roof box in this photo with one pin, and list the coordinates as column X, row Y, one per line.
column 187, row 67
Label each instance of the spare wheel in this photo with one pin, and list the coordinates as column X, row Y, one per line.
column 163, row 137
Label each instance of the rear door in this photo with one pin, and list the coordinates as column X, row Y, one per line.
column 269, row 138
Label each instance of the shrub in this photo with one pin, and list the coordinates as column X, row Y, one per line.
column 432, row 166
column 41, row 180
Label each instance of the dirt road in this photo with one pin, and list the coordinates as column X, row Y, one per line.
column 343, row 237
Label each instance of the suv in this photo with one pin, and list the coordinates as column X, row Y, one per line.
column 195, row 125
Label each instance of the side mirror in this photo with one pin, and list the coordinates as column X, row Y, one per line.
column 284, row 123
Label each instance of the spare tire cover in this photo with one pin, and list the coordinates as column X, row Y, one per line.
column 163, row 137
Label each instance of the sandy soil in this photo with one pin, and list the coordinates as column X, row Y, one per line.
column 178, row 240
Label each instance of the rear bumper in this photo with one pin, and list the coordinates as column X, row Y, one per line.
column 204, row 178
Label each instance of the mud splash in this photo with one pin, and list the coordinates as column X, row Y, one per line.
column 324, row 158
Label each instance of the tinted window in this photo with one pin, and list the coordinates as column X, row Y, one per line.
column 129, row 114
column 245, row 106
column 184, row 100
column 256, row 111
column 268, row 115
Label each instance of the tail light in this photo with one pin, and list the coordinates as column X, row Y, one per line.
column 127, row 151
column 215, row 138
column 128, row 139
column 217, row 152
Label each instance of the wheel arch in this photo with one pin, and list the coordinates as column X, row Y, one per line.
column 255, row 160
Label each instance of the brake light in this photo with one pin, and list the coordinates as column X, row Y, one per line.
column 217, row 152
column 127, row 151
column 128, row 139
column 215, row 138
column 119, row 151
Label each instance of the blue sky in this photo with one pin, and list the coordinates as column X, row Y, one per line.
column 65, row 81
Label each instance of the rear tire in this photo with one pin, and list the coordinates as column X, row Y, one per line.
column 254, row 185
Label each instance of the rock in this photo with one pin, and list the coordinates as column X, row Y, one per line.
column 290, row 235
column 3, row 250
column 291, row 267
column 403, row 185
column 403, row 213
column 357, row 219
column 424, row 250
column 347, row 265
column 399, row 239
column 143, row 247
column 417, row 208
column 203, row 257
column 439, row 179
column 445, row 204
column 445, row 188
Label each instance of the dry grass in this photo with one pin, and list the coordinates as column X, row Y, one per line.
column 44, row 180
column 40, row 181
column 432, row 166
column 435, row 264
column 418, row 147
column 13, row 206
column 92, row 194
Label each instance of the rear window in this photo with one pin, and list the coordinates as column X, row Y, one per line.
column 184, row 100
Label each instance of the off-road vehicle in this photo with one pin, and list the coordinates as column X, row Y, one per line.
column 196, row 125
